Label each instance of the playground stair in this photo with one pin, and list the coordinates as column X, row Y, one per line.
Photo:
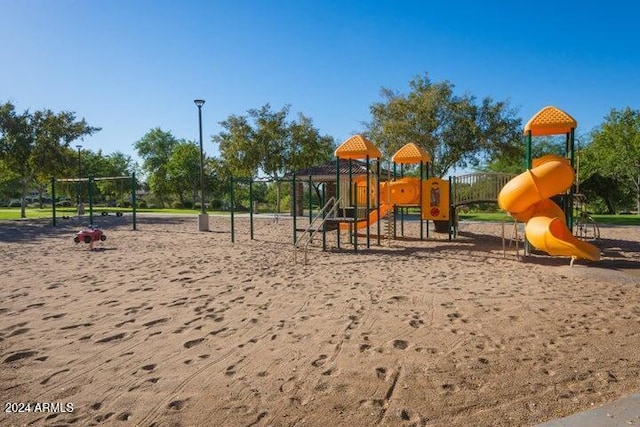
column 390, row 226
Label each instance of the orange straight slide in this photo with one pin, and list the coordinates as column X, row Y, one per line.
column 526, row 198
column 404, row 191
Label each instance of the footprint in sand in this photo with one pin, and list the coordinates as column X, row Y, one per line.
column 319, row 361
column 192, row 343
column 20, row 355
column 400, row 344
column 111, row 338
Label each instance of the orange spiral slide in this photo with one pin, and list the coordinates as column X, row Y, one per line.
column 526, row 198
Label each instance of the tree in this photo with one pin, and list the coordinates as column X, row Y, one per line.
column 514, row 161
column 613, row 159
column 155, row 149
column 34, row 145
column 266, row 142
column 183, row 170
column 457, row 131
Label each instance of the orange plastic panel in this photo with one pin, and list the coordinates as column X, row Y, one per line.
column 411, row 153
column 550, row 121
column 435, row 199
column 357, row 147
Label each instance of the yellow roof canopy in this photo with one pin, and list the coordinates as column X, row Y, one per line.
column 550, row 121
column 357, row 147
column 411, row 153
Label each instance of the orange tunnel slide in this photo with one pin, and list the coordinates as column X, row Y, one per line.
column 526, row 198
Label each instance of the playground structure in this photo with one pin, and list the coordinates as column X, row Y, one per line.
column 360, row 195
column 527, row 197
column 90, row 196
column 370, row 198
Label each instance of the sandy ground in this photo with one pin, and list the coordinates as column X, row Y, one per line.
column 168, row 326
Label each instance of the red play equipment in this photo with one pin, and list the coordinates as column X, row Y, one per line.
column 90, row 235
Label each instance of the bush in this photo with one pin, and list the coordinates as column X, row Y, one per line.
column 142, row 204
column 188, row 204
column 177, row 205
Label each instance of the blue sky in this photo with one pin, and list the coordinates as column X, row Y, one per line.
column 128, row 66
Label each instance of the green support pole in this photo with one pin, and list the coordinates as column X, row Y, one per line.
column 368, row 204
column 295, row 209
column 251, row 209
column 451, row 210
column 420, row 198
column 571, row 153
column 427, row 177
column 395, row 208
column 378, row 195
column 231, row 207
column 311, row 200
column 90, row 190
column 324, row 215
column 134, row 203
column 354, row 227
column 527, row 246
column 402, row 208
column 337, row 197
column 53, row 200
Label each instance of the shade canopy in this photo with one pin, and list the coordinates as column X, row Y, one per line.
column 550, row 121
column 410, row 154
column 357, row 147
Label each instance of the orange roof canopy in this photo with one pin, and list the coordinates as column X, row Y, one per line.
column 411, row 153
column 357, row 147
column 550, row 121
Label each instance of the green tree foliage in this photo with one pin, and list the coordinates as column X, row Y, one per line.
column 155, row 149
column 514, row 160
column 612, row 161
column 267, row 142
column 183, row 170
column 457, row 131
column 34, row 146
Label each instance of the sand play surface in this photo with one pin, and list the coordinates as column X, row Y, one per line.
column 168, row 326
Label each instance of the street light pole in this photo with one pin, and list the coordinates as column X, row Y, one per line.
column 203, row 218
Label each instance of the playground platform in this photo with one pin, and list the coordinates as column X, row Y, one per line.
column 622, row 412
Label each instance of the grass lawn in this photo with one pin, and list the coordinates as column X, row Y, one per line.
column 14, row 214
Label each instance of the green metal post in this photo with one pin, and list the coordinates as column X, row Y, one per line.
column 420, row 198
column 295, row 210
column 90, row 184
column 402, row 208
column 134, row 200
column 378, row 195
column 427, row 177
column 324, row 214
column 231, row 208
column 53, row 199
column 251, row 209
column 368, row 204
column 134, row 203
column 337, row 197
column 354, row 226
column 451, row 211
column 311, row 200
column 571, row 153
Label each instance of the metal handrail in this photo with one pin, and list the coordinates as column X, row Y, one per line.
column 312, row 230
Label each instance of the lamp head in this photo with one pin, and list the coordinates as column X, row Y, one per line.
column 199, row 102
